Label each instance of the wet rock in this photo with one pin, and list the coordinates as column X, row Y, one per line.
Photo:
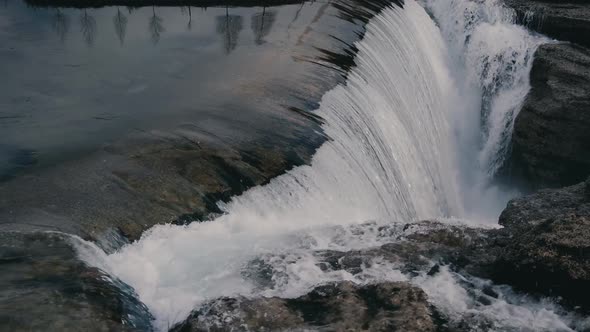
column 529, row 211
column 413, row 250
column 419, row 248
column 563, row 20
column 547, row 247
column 44, row 287
column 342, row 306
column 551, row 138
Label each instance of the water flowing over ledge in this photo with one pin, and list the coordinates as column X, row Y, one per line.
column 404, row 134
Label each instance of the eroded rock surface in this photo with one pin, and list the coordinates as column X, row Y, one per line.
column 551, row 138
column 547, row 243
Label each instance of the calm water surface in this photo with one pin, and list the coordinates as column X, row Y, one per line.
column 74, row 80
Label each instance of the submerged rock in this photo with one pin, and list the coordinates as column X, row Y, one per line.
column 564, row 20
column 551, row 138
column 341, row 306
column 547, row 243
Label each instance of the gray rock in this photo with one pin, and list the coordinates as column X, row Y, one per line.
column 419, row 246
column 563, row 20
column 528, row 211
column 342, row 306
column 413, row 248
column 551, row 138
column 547, row 246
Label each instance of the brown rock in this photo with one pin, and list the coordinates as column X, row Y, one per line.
column 342, row 306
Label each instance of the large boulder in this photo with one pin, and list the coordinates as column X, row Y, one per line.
column 551, row 138
column 547, row 243
column 45, row 287
column 341, row 306
column 563, row 20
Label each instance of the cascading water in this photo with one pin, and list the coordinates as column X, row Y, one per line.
column 492, row 61
column 392, row 157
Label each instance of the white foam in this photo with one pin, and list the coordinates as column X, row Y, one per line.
column 458, row 298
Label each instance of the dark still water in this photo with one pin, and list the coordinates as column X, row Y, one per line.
column 75, row 79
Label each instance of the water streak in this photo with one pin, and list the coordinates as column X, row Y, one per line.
column 494, row 57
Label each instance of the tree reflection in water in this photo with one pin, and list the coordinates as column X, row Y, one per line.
column 187, row 11
column 229, row 26
column 61, row 24
column 120, row 23
column 88, row 27
column 261, row 24
column 155, row 26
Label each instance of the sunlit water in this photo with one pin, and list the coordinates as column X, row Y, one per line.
column 405, row 145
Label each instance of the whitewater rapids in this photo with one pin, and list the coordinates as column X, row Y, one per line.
column 405, row 144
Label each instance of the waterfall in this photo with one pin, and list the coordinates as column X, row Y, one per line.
column 398, row 133
column 493, row 57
